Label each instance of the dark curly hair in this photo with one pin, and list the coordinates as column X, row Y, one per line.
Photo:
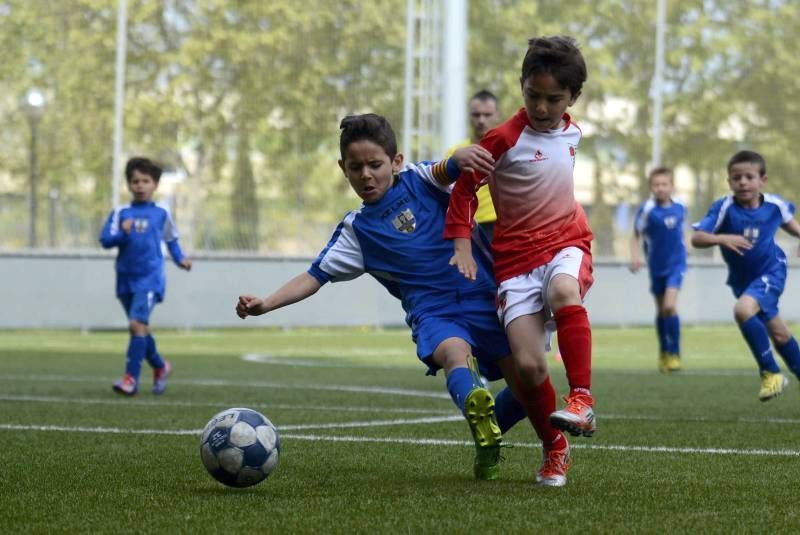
column 145, row 166
column 369, row 126
column 558, row 56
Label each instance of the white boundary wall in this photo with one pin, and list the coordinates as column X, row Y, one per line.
column 76, row 291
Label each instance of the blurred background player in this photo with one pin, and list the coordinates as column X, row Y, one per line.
column 396, row 236
column 484, row 114
column 744, row 225
column 137, row 230
column 659, row 225
column 541, row 245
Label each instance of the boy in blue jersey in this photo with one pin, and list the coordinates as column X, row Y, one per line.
column 744, row 226
column 659, row 224
column 137, row 230
column 396, row 236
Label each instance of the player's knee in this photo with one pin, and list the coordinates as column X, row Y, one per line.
column 669, row 309
column 137, row 328
column 532, row 372
column 564, row 292
column 781, row 337
column 744, row 310
column 449, row 358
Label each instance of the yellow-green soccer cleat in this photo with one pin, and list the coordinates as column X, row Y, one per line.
column 673, row 362
column 669, row 362
column 772, row 384
column 662, row 363
column 479, row 411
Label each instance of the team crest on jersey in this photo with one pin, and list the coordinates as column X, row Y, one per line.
column 670, row 221
column 751, row 233
column 140, row 225
column 405, row 221
column 538, row 156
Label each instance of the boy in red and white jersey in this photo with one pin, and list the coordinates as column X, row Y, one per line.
column 541, row 244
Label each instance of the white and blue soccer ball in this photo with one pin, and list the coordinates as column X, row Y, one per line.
column 240, row 447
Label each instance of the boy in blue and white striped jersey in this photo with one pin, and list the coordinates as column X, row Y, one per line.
column 659, row 225
column 137, row 230
column 744, row 226
column 396, row 236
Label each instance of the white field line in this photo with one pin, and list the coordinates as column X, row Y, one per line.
column 373, row 409
column 416, row 441
column 320, row 363
column 284, row 406
column 313, row 363
column 252, row 384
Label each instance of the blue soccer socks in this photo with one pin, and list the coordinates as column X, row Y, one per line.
column 507, row 410
column 459, row 384
column 152, row 355
column 661, row 330
column 137, row 348
column 672, row 334
column 755, row 334
column 669, row 334
column 790, row 352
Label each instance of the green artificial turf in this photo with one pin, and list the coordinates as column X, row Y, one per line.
column 369, row 444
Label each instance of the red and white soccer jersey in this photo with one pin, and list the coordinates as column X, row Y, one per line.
column 534, row 196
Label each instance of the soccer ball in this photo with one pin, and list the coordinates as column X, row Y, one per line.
column 240, row 447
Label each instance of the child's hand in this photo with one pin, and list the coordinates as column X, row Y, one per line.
column 463, row 260
column 474, row 158
column 126, row 226
column 250, row 305
column 635, row 265
column 185, row 264
column 736, row 243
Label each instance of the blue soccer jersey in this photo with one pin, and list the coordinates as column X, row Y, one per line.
column 759, row 226
column 140, row 261
column 399, row 241
column 661, row 229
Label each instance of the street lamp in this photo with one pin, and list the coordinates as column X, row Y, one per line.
column 32, row 105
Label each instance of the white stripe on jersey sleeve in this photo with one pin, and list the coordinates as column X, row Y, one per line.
column 170, row 230
column 723, row 210
column 114, row 228
column 343, row 259
column 424, row 171
column 786, row 208
column 641, row 222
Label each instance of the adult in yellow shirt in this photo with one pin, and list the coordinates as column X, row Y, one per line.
column 483, row 116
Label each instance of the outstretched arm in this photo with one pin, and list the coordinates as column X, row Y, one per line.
column 736, row 243
column 474, row 159
column 793, row 228
column 462, row 258
column 297, row 289
column 177, row 255
column 636, row 256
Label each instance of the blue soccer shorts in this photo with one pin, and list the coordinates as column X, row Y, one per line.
column 139, row 305
column 474, row 320
column 673, row 279
column 767, row 290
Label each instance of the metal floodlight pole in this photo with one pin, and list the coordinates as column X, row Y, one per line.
column 658, row 82
column 454, row 92
column 408, row 84
column 32, row 105
column 119, row 96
